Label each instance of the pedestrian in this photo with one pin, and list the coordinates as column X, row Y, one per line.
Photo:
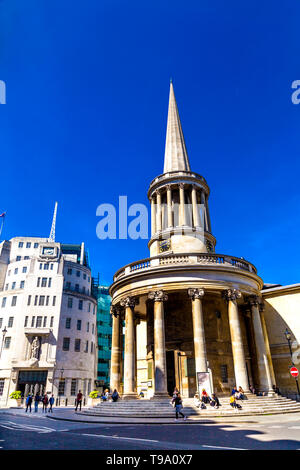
column 178, row 406
column 115, row 395
column 51, row 403
column 28, row 403
column 37, row 399
column 78, row 400
column 45, row 402
column 214, row 401
column 233, row 403
column 197, row 400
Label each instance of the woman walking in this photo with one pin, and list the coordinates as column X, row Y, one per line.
column 178, row 406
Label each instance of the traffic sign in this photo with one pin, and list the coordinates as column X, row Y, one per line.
column 294, row 371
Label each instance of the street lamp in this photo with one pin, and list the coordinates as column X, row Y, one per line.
column 288, row 338
column 4, row 331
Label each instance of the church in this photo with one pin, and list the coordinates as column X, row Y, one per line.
column 195, row 318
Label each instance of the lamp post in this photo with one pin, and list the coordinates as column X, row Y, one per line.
column 4, row 331
column 288, row 338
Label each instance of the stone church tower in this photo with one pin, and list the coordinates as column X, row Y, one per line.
column 192, row 316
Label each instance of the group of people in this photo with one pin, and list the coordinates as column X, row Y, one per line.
column 205, row 399
column 40, row 399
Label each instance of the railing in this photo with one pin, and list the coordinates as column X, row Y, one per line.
column 192, row 258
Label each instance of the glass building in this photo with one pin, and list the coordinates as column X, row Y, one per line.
column 104, row 331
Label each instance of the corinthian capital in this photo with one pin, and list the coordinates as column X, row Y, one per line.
column 128, row 302
column 196, row 293
column 158, row 296
column 232, row 294
column 254, row 300
column 115, row 310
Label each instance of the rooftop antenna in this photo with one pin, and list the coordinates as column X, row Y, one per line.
column 52, row 231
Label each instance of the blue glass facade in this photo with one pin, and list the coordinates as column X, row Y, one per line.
column 104, row 331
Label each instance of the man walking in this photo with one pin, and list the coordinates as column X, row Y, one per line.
column 28, row 403
column 45, row 403
column 51, row 402
column 78, row 400
column 37, row 399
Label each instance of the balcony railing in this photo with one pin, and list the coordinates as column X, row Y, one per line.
column 202, row 259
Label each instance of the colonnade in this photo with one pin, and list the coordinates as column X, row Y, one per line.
column 196, row 197
column 265, row 367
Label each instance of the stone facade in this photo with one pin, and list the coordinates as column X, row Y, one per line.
column 48, row 319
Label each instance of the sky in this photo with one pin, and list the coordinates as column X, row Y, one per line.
column 87, row 86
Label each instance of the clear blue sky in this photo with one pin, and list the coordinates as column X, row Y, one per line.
column 85, row 119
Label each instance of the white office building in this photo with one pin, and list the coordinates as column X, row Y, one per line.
column 47, row 320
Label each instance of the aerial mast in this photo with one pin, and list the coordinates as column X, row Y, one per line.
column 52, row 232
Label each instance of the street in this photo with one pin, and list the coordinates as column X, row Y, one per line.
column 37, row 432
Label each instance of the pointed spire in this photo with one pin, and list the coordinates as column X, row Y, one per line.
column 52, row 231
column 176, row 157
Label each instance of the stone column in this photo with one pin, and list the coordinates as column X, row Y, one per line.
column 158, row 212
column 129, row 353
column 115, row 349
column 182, row 220
column 196, row 218
column 169, row 205
column 266, row 338
column 198, row 329
column 265, row 380
column 239, row 362
column 160, row 362
column 203, row 203
column 153, row 216
column 207, row 215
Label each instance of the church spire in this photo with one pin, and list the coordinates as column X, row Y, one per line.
column 176, row 157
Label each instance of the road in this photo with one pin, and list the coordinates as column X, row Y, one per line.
column 22, row 432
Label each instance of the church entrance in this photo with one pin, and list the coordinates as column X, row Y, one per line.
column 171, row 380
column 32, row 381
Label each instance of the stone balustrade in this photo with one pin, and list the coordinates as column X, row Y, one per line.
column 207, row 259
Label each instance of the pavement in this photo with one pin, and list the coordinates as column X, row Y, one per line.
column 66, row 430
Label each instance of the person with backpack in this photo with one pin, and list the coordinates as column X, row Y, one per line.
column 28, row 403
column 178, row 406
column 115, row 395
column 51, row 403
column 78, row 400
column 37, row 399
column 45, row 402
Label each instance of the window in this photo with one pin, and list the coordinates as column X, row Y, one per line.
column 13, row 285
column 77, row 345
column 32, row 322
column 14, row 301
column 39, row 322
column 10, row 322
column 68, row 323
column 26, row 257
column 78, row 273
column 45, row 322
column 18, row 258
column 42, row 300
column 92, row 346
column 24, row 270
column 86, row 347
column 28, row 245
column 89, row 308
column 68, row 285
column 93, row 328
column 2, row 381
column 22, row 284
column 16, row 271
column 44, row 282
column 41, row 265
column 26, row 321
column 69, row 271
column 61, row 387
column 3, row 302
column 36, row 245
column 51, row 322
column 77, row 287
column 47, row 300
column 78, row 324
column 6, row 286
column 80, row 304
column 84, row 276
column 49, row 281
column 29, row 300
column 51, row 266
column 73, row 387
column 83, row 290
column 88, row 327
column 54, row 300
column 7, row 342
column 9, row 272
column 20, row 245
column 70, row 302
column 36, row 300
column 38, row 282
column 66, row 344
column 224, row 373
column 46, row 266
